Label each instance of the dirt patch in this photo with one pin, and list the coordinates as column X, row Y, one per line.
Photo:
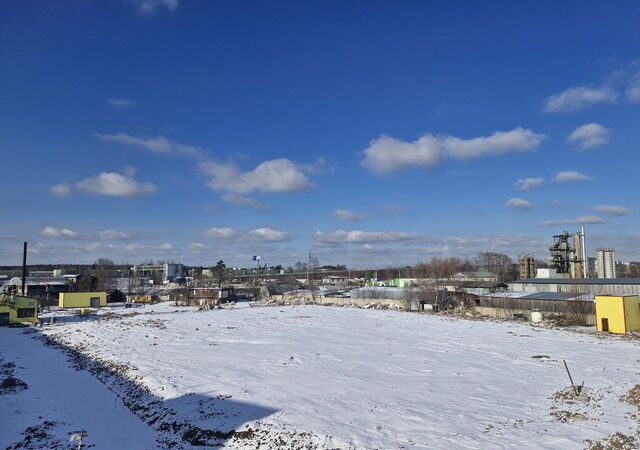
column 8, row 382
column 633, row 396
column 38, row 437
column 569, row 407
column 616, row 441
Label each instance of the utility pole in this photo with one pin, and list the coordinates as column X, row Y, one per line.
column 24, row 269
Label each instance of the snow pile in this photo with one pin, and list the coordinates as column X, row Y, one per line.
column 318, row 377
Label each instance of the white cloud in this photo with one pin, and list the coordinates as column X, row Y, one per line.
column 220, row 233
column 151, row 6
column 158, row 144
column 569, row 176
column 633, row 89
column 387, row 155
column 526, row 184
column 120, row 102
column 268, row 235
column 576, row 98
column 242, row 200
column 61, row 189
column 116, row 184
column 113, row 235
column 150, row 248
column 582, row 220
column 93, row 247
column 518, row 203
column 611, row 210
column 273, row 176
column 346, row 215
column 589, row 136
column 198, row 247
column 517, row 140
column 53, row 232
column 262, row 234
column 319, row 167
column 360, row 237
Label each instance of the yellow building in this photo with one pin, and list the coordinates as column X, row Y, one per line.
column 618, row 314
column 15, row 310
column 82, row 299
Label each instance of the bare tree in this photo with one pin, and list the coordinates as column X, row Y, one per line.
column 498, row 263
column 220, row 273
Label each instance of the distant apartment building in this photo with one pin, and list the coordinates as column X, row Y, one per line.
column 527, row 266
column 606, row 263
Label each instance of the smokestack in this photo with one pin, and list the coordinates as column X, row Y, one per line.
column 585, row 259
column 24, row 268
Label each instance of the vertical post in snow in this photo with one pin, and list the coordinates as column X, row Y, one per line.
column 573, row 386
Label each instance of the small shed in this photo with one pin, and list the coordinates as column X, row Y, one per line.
column 618, row 314
column 82, row 299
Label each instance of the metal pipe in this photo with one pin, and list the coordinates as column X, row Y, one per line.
column 24, row 268
column 585, row 259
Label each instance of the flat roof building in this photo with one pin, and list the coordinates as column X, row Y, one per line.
column 590, row 286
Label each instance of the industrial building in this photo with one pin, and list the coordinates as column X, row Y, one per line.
column 169, row 272
column 618, row 314
column 15, row 310
column 569, row 261
column 588, row 286
column 510, row 305
column 43, row 289
column 606, row 263
column 527, row 267
column 82, row 299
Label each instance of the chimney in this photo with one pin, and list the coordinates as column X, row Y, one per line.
column 24, row 268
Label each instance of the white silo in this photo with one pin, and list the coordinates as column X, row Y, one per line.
column 606, row 263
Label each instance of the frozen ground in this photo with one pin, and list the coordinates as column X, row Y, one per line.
column 315, row 377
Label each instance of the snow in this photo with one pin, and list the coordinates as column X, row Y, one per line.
column 329, row 377
column 56, row 393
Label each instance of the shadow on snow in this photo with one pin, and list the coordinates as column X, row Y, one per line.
column 181, row 422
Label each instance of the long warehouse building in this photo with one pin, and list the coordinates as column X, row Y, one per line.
column 590, row 286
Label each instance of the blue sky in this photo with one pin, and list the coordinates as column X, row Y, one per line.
column 371, row 133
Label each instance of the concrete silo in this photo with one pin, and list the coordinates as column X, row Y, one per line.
column 606, row 263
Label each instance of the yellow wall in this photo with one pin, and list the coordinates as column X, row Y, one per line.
column 7, row 305
column 622, row 312
column 632, row 311
column 80, row 299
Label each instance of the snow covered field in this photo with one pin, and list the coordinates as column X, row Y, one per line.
column 316, row 377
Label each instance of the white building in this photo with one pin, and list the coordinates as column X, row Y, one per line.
column 166, row 272
column 546, row 273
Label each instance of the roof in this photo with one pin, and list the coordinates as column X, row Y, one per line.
column 478, row 274
column 605, row 281
column 551, row 296
column 32, row 281
column 472, row 283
